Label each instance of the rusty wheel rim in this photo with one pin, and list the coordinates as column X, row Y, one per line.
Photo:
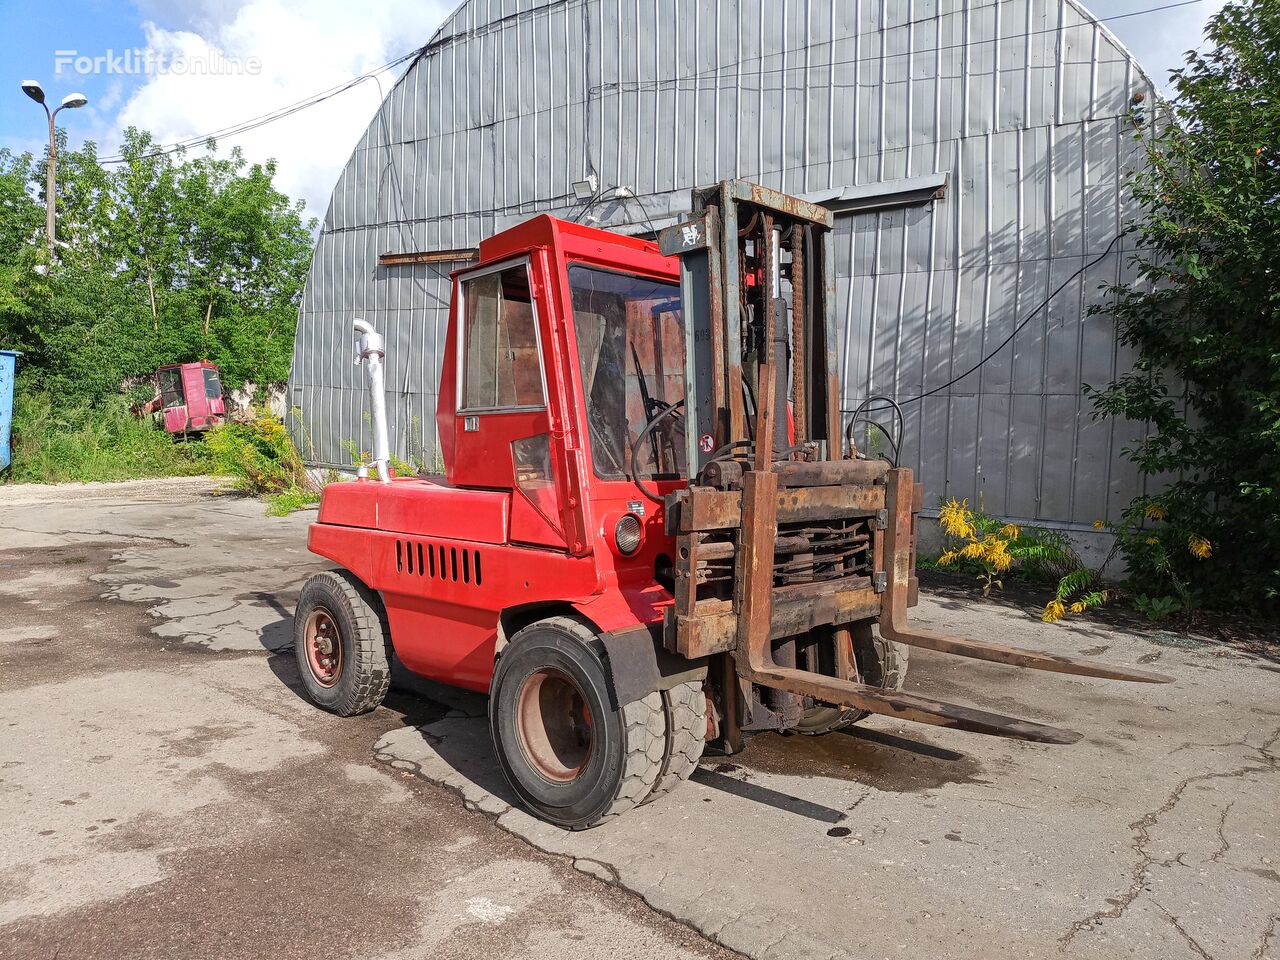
column 324, row 648
column 553, row 723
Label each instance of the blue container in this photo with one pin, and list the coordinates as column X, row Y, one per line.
column 8, row 363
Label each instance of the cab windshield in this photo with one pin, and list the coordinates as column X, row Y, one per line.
column 631, row 354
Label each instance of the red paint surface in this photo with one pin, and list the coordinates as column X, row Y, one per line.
column 408, row 539
column 425, row 507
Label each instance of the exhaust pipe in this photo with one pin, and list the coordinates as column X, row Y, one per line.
column 370, row 351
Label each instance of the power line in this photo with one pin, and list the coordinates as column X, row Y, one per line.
column 730, row 70
column 1016, row 330
column 288, row 111
column 254, row 123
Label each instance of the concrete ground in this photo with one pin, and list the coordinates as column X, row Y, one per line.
column 165, row 790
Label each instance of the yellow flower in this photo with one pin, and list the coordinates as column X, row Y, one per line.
column 996, row 552
column 1054, row 611
column 1099, row 524
column 956, row 519
column 1152, row 541
column 1078, row 607
column 948, row 558
column 1010, row 531
column 1200, row 548
column 1155, row 511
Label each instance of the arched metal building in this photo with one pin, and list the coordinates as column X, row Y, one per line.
column 974, row 150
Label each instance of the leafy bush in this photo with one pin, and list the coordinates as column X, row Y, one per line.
column 262, row 460
column 1164, row 554
column 1202, row 317
column 52, row 444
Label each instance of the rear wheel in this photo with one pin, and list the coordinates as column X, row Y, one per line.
column 571, row 756
column 881, row 663
column 342, row 643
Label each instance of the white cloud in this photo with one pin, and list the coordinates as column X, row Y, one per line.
column 197, row 15
column 302, row 48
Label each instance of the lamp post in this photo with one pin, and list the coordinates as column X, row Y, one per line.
column 72, row 100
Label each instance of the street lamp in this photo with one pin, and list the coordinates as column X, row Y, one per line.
column 72, row 100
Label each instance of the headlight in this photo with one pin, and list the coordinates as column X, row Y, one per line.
column 627, row 535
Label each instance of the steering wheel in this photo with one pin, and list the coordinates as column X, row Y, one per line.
column 659, row 412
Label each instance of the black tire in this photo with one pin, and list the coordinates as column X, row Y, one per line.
column 881, row 663
column 362, row 673
column 685, row 706
column 568, row 753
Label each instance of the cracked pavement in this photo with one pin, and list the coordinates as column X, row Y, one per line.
column 163, row 788
column 165, row 791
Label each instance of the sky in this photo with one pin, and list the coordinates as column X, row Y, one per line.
column 244, row 58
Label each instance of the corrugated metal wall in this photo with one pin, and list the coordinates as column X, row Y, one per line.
column 1026, row 104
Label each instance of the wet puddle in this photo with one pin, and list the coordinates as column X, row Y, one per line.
column 879, row 759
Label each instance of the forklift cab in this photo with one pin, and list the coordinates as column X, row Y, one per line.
column 563, row 382
column 190, row 397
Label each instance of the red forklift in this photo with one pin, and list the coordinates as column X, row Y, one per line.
column 188, row 397
column 655, row 533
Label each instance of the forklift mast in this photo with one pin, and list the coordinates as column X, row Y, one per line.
column 790, row 545
column 746, row 248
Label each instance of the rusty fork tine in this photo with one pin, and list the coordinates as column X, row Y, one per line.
column 899, row 499
column 908, row 706
column 1015, row 656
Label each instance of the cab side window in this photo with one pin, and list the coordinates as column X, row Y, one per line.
column 501, row 367
column 171, row 388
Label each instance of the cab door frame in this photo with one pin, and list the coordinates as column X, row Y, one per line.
column 484, row 436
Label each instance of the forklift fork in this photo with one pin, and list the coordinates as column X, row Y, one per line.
column 754, row 659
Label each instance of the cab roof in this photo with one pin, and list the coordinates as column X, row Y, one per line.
column 576, row 241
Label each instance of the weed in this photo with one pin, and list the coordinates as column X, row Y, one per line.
column 297, row 498
column 993, row 548
column 261, row 459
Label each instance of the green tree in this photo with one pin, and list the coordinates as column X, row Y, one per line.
column 162, row 258
column 21, row 218
column 1204, row 317
column 23, row 289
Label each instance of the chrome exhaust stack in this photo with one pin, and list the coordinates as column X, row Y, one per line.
column 370, row 351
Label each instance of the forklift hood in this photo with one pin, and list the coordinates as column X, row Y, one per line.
column 418, row 506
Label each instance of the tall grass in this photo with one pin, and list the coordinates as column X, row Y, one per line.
column 53, row 444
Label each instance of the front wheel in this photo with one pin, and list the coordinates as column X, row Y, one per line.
column 685, row 706
column 572, row 757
